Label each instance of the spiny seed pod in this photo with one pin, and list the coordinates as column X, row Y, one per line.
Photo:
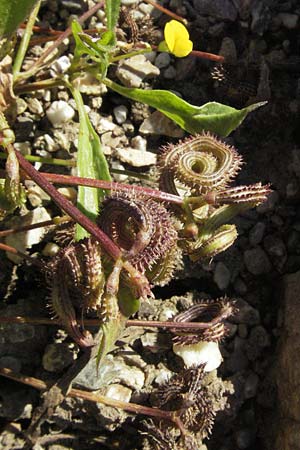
column 185, row 394
column 76, row 281
column 211, row 313
column 143, row 229
column 253, row 195
column 200, row 164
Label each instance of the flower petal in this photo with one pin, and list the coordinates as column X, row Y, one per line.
column 182, row 47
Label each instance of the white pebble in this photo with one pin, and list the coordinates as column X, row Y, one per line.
column 135, row 158
column 118, row 392
column 60, row 112
column 50, row 249
column 201, row 353
column 61, row 65
column 120, row 113
column 139, row 143
column 68, row 192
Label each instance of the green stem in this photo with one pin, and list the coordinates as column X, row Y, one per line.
column 25, row 41
column 40, row 159
column 129, row 55
column 39, row 85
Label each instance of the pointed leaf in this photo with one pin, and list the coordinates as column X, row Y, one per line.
column 12, row 13
column 91, row 163
column 213, row 116
column 112, row 11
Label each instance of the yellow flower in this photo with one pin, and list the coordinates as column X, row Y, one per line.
column 177, row 39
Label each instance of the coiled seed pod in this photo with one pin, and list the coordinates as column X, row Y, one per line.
column 200, row 164
column 76, row 281
column 143, row 229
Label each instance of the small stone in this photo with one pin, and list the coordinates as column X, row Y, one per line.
column 35, row 106
column 139, row 143
column 256, row 233
column 68, row 192
column 118, row 392
column 120, row 113
column 245, row 438
column 258, row 340
column 61, row 65
column 240, row 286
column 21, row 106
column 60, row 112
column 11, row 363
column 289, row 21
column 237, row 360
column 257, row 261
column 207, row 353
column 251, row 384
column 135, row 158
column 221, row 9
column 162, row 60
column 170, row 73
column 51, row 145
column 57, row 357
column 119, row 176
column 245, row 313
column 222, row 276
column 50, row 249
column 23, row 147
column 228, row 50
column 275, row 246
column 158, row 123
column 132, row 71
column 22, row 241
column 242, row 330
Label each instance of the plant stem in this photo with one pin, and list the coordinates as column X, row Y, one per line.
column 37, row 64
column 14, row 251
column 210, row 56
column 129, row 55
column 40, row 159
column 166, row 11
column 96, row 398
column 39, row 85
column 111, row 185
column 96, row 322
column 25, row 41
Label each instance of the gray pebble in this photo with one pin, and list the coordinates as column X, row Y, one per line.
column 57, row 357
column 256, row 233
column 251, row 384
column 170, row 73
column 132, row 71
column 258, row 340
column 244, row 438
column 120, row 113
column 245, row 314
column 162, row 60
column 257, row 261
column 222, row 276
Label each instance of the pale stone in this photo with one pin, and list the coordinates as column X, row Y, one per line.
column 203, row 352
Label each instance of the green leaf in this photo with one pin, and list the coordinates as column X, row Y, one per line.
column 112, row 11
column 214, row 117
column 91, row 163
column 12, row 13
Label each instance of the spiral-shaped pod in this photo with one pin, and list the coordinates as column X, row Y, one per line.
column 200, row 164
column 141, row 227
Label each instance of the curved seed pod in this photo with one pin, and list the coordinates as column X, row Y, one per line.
column 162, row 271
column 185, row 394
column 201, row 164
column 141, row 227
column 220, row 240
column 76, row 281
column 211, row 313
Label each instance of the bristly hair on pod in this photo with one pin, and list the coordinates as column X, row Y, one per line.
column 212, row 313
column 142, row 228
column 201, row 163
column 76, row 281
column 185, row 394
